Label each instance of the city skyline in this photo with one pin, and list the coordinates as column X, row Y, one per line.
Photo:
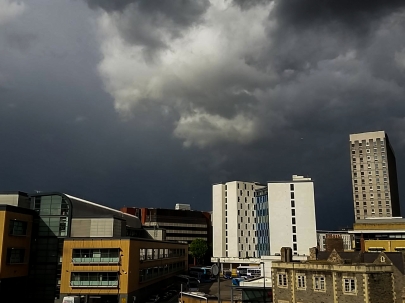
column 138, row 104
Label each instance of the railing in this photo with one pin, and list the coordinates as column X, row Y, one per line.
column 111, row 284
column 96, row 260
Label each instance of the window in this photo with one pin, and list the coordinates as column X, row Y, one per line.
column 349, row 285
column 15, row 256
column 293, row 212
column 17, row 228
column 295, row 246
column 301, row 281
column 319, row 283
column 294, row 229
column 293, row 221
column 292, row 203
column 292, row 195
column 291, row 187
column 105, row 279
column 107, row 255
column 282, row 280
column 294, row 238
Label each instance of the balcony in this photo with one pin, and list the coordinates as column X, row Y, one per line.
column 90, row 284
column 94, row 279
column 96, row 260
column 96, row 256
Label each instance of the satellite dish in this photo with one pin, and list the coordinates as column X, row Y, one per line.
column 215, row 270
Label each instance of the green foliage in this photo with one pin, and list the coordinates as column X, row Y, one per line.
column 198, row 248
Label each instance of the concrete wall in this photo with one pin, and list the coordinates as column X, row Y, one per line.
column 96, row 227
column 18, row 199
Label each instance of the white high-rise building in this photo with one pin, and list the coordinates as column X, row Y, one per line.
column 234, row 219
column 292, row 221
column 251, row 220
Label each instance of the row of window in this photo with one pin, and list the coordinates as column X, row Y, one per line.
column 375, row 143
column 371, row 188
column 370, row 173
column 371, row 195
column 380, row 211
column 370, row 181
column 160, row 253
column 94, row 279
column 89, row 256
column 319, row 283
column 365, row 203
column 150, row 273
column 369, row 159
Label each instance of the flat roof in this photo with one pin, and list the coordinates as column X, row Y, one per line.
column 122, row 238
column 381, row 220
column 14, row 193
column 377, row 231
column 16, row 209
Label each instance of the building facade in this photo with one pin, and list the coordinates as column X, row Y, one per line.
column 347, row 238
column 253, row 220
column 119, row 269
column 374, row 176
column 234, row 215
column 15, row 243
column 379, row 234
column 340, row 277
column 181, row 225
column 292, row 215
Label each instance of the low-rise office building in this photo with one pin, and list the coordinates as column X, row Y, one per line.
column 54, row 218
column 379, row 234
column 181, row 225
column 119, row 269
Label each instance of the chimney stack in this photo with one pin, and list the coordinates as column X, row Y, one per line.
column 286, row 254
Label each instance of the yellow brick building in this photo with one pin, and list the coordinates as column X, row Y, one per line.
column 380, row 234
column 127, row 268
column 15, row 241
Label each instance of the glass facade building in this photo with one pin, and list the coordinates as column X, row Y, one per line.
column 56, row 212
column 262, row 222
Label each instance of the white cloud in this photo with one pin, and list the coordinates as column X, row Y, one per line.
column 10, row 10
column 201, row 71
column 202, row 129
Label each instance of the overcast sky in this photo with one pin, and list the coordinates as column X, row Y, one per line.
column 148, row 102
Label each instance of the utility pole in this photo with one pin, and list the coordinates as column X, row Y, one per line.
column 219, row 283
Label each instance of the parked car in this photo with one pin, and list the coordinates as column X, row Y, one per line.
column 227, row 274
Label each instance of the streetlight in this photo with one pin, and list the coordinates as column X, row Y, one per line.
column 264, row 283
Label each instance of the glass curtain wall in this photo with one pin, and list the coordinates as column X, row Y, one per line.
column 52, row 226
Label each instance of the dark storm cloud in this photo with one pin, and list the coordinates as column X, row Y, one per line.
column 258, row 94
column 149, row 22
column 347, row 12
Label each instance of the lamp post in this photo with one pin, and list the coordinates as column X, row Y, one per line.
column 264, row 282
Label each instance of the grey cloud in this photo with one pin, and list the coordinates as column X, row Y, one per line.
column 20, row 40
column 247, row 4
column 150, row 22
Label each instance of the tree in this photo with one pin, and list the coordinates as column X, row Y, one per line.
column 198, row 248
